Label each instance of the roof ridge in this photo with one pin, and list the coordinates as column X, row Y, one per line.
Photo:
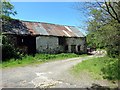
column 47, row 23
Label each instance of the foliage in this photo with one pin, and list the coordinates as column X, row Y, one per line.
column 113, row 9
column 106, row 67
column 104, row 32
column 7, row 8
column 37, row 59
column 8, row 49
column 103, row 20
column 111, row 70
column 108, row 37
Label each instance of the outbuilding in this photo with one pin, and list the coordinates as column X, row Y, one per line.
column 40, row 37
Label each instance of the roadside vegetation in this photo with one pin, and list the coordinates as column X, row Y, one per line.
column 37, row 59
column 103, row 33
column 99, row 68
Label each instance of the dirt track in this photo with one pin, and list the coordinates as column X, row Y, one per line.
column 48, row 75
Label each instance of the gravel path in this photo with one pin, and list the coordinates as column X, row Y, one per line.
column 48, row 75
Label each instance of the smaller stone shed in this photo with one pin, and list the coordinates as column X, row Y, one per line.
column 42, row 37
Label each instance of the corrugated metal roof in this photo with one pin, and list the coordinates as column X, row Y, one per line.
column 40, row 28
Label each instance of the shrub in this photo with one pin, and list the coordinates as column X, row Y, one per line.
column 113, row 52
column 111, row 70
column 8, row 50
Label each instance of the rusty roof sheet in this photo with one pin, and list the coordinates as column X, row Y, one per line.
column 40, row 28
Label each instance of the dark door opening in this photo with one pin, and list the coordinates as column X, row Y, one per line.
column 66, row 48
column 79, row 48
column 73, row 48
column 27, row 41
column 61, row 40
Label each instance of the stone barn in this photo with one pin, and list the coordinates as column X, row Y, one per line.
column 40, row 37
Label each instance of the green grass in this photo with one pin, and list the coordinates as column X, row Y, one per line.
column 98, row 68
column 38, row 59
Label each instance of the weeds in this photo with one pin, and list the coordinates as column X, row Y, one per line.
column 37, row 59
column 105, row 67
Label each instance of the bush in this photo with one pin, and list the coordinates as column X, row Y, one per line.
column 113, row 52
column 8, row 50
column 111, row 70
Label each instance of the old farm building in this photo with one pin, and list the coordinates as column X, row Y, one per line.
column 32, row 37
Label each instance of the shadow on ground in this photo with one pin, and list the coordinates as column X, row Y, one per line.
column 99, row 87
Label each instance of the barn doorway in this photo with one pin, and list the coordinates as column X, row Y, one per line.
column 27, row 43
column 73, row 48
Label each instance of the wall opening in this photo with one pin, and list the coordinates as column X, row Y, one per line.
column 73, row 48
column 20, row 41
column 66, row 48
column 28, row 43
column 61, row 40
column 78, row 47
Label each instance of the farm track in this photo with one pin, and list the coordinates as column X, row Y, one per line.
column 48, row 75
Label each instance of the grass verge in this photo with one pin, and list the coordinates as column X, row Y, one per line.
column 38, row 59
column 99, row 68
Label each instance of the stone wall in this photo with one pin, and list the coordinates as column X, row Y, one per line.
column 78, row 43
column 50, row 44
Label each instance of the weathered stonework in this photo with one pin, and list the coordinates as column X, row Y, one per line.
column 31, row 37
column 47, row 44
column 50, row 44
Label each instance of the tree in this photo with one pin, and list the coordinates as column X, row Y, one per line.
column 112, row 8
column 8, row 49
column 7, row 8
column 105, row 34
column 103, row 26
